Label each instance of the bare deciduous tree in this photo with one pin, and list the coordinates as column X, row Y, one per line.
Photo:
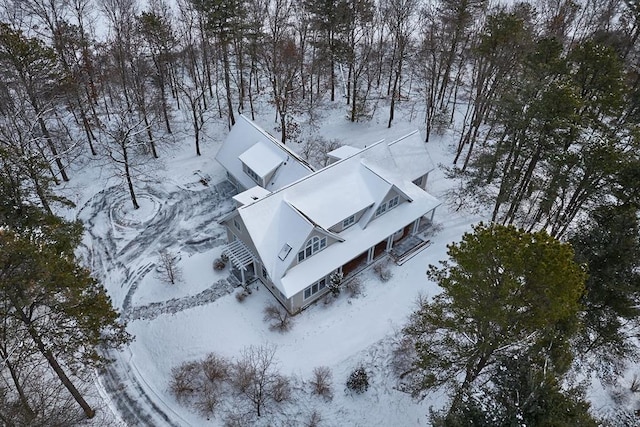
column 168, row 267
column 321, row 382
column 256, row 378
column 279, row 318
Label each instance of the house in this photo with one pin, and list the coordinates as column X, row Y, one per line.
column 294, row 231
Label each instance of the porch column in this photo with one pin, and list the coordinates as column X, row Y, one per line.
column 416, row 225
column 242, row 275
column 370, row 255
column 389, row 243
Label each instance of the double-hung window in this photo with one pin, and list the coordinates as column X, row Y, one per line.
column 315, row 288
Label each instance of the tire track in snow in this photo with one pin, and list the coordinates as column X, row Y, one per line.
column 186, row 220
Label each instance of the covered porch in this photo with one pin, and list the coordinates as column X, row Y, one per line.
column 400, row 246
column 242, row 261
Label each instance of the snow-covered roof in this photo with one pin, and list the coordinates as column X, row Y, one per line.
column 321, row 200
column 262, row 153
column 263, row 158
column 406, row 156
column 250, row 195
column 343, row 152
column 411, row 156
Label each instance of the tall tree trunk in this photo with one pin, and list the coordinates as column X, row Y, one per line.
column 4, row 355
column 227, row 82
column 53, row 362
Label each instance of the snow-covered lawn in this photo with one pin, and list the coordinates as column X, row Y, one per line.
column 182, row 322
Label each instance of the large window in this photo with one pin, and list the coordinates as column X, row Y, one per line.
column 315, row 244
column 315, row 288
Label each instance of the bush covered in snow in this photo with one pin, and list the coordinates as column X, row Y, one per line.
column 358, row 380
column 219, row 264
column 335, row 280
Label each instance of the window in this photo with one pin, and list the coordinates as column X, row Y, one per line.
column 418, row 182
column 252, row 174
column 349, row 221
column 236, row 224
column 393, row 202
column 315, row 288
column 315, row 244
column 264, row 273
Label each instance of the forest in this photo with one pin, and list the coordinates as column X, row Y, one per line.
column 541, row 100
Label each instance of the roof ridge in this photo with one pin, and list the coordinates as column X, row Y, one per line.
column 403, row 137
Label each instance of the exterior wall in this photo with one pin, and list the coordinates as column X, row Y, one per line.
column 241, row 234
column 259, row 181
column 235, row 182
column 298, row 302
column 338, row 227
column 266, row 281
column 270, row 176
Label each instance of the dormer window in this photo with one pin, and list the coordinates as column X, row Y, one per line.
column 349, row 222
column 252, row 174
column 315, row 244
column 388, row 205
column 393, row 202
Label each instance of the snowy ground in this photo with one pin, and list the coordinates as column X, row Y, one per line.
column 199, row 315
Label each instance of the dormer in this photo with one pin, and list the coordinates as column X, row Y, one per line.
column 391, row 200
column 314, row 245
column 317, row 241
column 349, row 221
column 260, row 162
column 387, row 205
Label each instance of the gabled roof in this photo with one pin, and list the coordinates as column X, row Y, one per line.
column 406, row 156
column 248, row 143
column 322, row 199
column 411, row 156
